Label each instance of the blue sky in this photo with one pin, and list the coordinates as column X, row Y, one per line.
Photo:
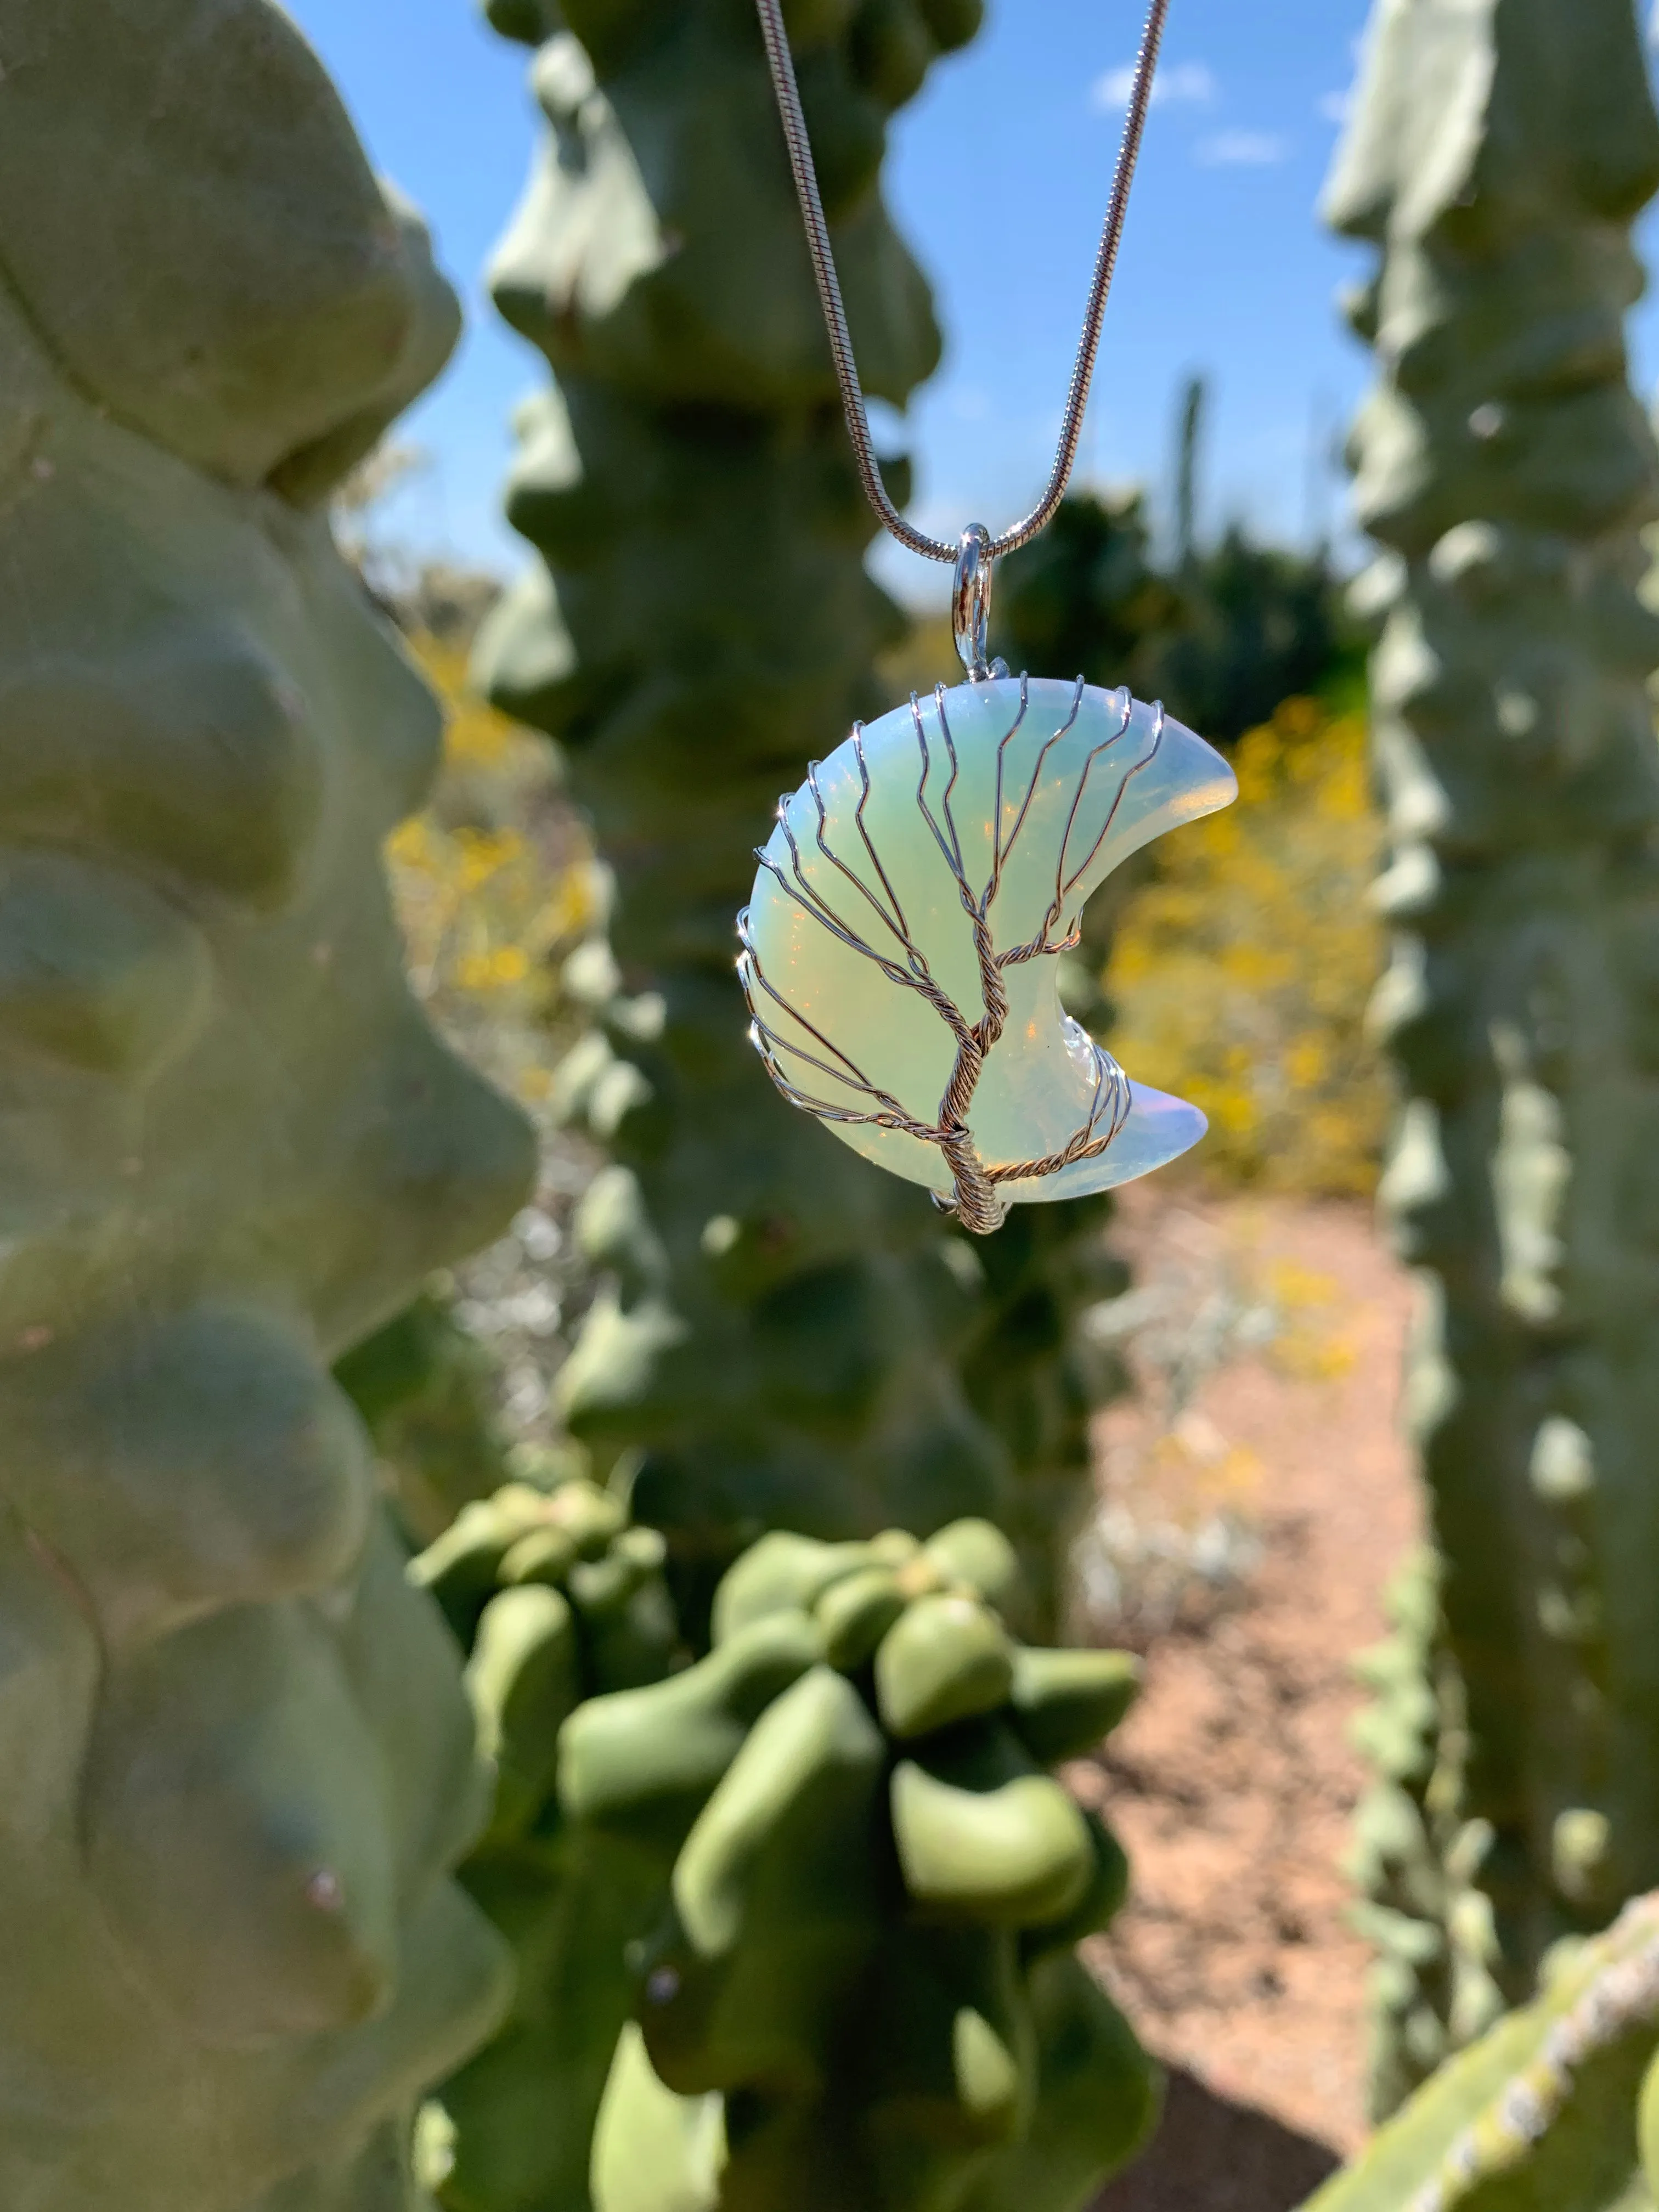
column 998, row 177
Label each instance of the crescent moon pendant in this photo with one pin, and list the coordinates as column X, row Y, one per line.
column 901, row 949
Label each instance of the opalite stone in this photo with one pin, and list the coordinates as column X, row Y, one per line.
column 901, row 949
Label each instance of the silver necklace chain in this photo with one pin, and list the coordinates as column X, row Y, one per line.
column 976, row 548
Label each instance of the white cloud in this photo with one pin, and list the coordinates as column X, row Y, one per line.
column 1336, row 106
column 1242, row 149
column 1189, row 84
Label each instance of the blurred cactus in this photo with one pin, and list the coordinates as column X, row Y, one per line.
column 557, row 1599
column 1497, row 156
column 426, row 1390
column 560, row 1600
column 1431, row 1988
column 1552, row 2110
column 1088, row 595
column 1189, row 438
column 1224, row 638
column 861, row 1991
column 786, row 1332
column 239, row 1765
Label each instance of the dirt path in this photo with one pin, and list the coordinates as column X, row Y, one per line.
column 1268, row 1346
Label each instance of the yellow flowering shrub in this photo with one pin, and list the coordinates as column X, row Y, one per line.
column 494, row 883
column 1241, row 971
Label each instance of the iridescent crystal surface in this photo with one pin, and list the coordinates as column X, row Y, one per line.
column 902, row 947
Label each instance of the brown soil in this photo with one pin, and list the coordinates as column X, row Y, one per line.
column 1232, row 1784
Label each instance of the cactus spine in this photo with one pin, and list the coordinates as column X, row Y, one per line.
column 784, row 1336
column 1497, row 156
column 1552, row 2110
column 239, row 1763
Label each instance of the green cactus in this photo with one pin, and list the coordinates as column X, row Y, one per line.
column 1223, row 637
column 427, row 1389
column 1497, row 156
column 788, row 1338
column 860, row 1990
column 1397, row 1863
column 239, row 1765
column 1552, row 2110
column 557, row 1599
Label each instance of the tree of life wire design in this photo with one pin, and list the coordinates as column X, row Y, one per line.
column 975, row 1197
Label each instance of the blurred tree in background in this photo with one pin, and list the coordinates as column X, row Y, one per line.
column 1249, row 950
column 1086, row 598
column 1223, row 634
column 1221, row 638
column 1257, row 625
column 1240, row 971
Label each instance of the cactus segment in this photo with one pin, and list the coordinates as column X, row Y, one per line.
column 770, row 1951
column 977, row 1554
column 266, row 303
column 773, row 1897
column 856, row 1613
column 1066, row 1702
column 946, row 1658
column 1096, row 2099
column 1016, row 1857
column 545, row 1533
column 643, row 2131
column 641, row 1764
column 525, row 1677
column 782, row 1573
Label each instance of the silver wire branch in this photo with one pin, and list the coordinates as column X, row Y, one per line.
column 860, row 1101
column 783, row 66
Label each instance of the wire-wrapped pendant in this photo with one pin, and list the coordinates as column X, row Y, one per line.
column 900, row 947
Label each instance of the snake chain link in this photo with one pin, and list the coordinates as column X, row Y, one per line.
column 834, row 314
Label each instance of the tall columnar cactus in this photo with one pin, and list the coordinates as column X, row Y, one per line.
column 1555, row 2110
column 860, row 1991
column 784, row 1336
column 237, row 1763
column 1497, row 156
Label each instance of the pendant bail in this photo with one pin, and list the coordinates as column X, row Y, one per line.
column 970, row 603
